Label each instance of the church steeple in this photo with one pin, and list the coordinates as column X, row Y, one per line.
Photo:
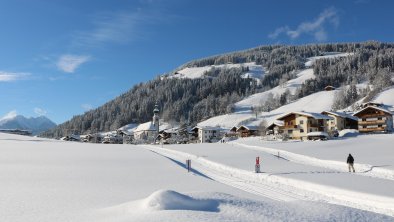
column 156, row 117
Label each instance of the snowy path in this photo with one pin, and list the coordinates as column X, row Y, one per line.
column 363, row 169
column 280, row 188
column 241, row 179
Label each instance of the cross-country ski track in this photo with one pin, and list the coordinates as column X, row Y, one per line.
column 277, row 187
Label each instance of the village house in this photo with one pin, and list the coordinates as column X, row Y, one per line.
column 340, row 121
column 297, row 125
column 246, row 131
column 374, row 118
column 275, row 128
column 207, row 134
column 167, row 135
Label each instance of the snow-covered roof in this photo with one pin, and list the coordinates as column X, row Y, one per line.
column 276, row 123
column 308, row 114
column 341, row 114
column 207, row 128
column 148, row 126
column 373, row 107
column 248, row 127
column 170, row 130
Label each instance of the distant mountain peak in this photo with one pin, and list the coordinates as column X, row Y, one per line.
column 34, row 124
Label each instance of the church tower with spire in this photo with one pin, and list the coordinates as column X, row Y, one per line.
column 156, row 118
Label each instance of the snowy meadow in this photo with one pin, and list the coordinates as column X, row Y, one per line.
column 50, row 180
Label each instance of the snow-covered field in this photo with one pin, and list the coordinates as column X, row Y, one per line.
column 49, row 180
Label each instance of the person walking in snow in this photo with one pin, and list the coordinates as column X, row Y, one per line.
column 350, row 162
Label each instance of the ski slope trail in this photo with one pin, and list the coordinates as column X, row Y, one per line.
column 363, row 169
column 280, row 188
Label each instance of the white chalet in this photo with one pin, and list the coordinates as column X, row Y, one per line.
column 207, row 134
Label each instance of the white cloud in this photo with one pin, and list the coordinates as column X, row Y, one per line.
column 13, row 76
column 315, row 28
column 117, row 28
column 9, row 115
column 278, row 31
column 86, row 107
column 120, row 27
column 40, row 111
column 69, row 63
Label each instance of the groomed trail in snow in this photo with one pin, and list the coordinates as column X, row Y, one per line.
column 279, row 188
column 364, row 169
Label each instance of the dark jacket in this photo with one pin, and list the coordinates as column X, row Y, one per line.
column 350, row 159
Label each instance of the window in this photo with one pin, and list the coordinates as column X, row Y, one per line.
column 379, row 118
column 290, row 131
column 379, row 125
column 310, row 130
column 364, row 119
column 301, row 121
column 301, row 130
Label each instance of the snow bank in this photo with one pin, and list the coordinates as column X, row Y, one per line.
column 172, row 200
column 348, row 133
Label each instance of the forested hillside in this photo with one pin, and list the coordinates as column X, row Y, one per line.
column 192, row 100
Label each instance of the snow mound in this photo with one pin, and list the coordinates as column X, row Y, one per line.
column 172, row 200
column 348, row 133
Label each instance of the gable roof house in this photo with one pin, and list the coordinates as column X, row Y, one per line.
column 246, row 131
column 340, row 121
column 373, row 119
column 298, row 124
column 275, row 128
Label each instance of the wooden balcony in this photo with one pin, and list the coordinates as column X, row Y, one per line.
column 370, row 130
column 290, row 127
column 371, row 116
column 373, row 122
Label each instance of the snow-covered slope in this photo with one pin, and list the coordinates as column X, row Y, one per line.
column 326, row 55
column 316, row 102
column 258, row 99
column 33, row 124
column 228, row 120
column 386, row 97
column 255, row 71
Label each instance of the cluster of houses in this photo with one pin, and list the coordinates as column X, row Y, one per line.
column 370, row 118
column 17, row 131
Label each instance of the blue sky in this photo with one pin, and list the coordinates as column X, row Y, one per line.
column 60, row 58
